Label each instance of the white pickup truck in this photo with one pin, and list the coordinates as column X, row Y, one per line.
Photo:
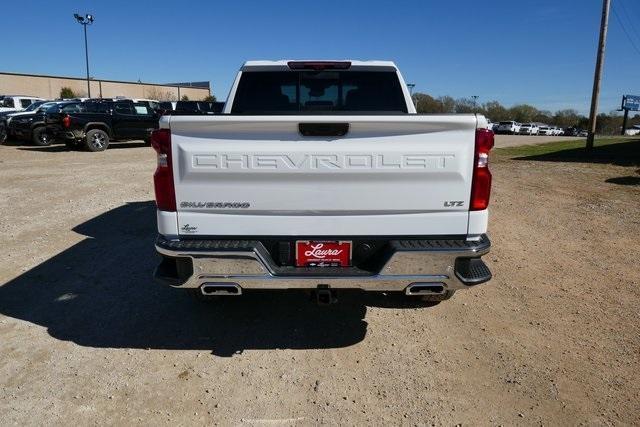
column 320, row 175
column 13, row 103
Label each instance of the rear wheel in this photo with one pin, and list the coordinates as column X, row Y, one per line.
column 40, row 137
column 96, row 140
column 3, row 133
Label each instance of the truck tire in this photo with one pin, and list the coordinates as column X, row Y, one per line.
column 96, row 140
column 40, row 137
column 3, row 133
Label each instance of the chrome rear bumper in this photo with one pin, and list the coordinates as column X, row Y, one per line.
column 453, row 264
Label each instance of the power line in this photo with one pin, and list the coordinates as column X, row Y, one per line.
column 635, row 13
column 625, row 30
column 629, row 18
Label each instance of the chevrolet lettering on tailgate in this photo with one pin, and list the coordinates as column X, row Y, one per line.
column 235, row 161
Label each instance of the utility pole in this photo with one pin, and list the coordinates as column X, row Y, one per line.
column 84, row 21
column 604, row 23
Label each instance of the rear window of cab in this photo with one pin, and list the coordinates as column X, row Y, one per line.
column 296, row 92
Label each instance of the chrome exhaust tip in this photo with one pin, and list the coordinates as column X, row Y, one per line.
column 231, row 289
column 426, row 289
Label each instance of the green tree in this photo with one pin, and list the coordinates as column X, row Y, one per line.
column 583, row 122
column 428, row 104
column 209, row 98
column 544, row 116
column 566, row 118
column 184, row 98
column 67, row 92
column 523, row 113
column 425, row 104
column 448, row 104
column 495, row 111
column 609, row 124
column 465, row 106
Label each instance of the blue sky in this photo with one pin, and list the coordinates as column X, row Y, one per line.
column 540, row 52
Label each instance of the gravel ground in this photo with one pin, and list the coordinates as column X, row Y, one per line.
column 87, row 337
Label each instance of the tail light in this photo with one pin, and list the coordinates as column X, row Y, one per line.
column 481, row 182
column 163, row 177
column 319, row 65
column 66, row 121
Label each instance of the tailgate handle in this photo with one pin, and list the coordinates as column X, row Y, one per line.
column 323, row 129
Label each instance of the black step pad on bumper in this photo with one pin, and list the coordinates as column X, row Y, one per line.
column 202, row 245
column 472, row 271
column 442, row 244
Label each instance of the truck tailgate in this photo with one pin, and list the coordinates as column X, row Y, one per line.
column 258, row 175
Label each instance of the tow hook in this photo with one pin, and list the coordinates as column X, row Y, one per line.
column 325, row 295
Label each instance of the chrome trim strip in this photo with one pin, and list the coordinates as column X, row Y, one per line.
column 250, row 270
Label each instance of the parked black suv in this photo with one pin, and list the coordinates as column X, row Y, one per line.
column 30, row 125
column 572, row 131
column 30, row 114
column 97, row 122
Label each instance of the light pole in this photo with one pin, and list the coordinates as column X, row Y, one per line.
column 84, row 21
column 475, row 100
column 411, row 86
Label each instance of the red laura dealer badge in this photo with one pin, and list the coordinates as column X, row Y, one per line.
column 323, row 254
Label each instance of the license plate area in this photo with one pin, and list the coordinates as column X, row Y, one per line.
column 323, row 253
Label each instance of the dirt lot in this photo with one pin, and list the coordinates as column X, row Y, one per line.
column 86, row 336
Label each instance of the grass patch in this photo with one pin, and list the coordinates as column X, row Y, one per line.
column 618, row 151
column 554, row 147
